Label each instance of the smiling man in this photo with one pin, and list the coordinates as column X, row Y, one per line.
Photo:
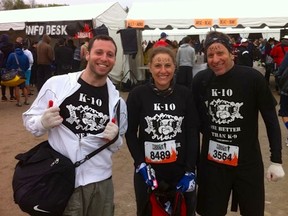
column 229, row 98
column 80, row 121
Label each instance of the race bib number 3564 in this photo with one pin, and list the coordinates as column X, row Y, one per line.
column 223, row 154
column 160, row 152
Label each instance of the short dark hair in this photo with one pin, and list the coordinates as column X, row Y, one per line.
column 186, row 39
column 101, row 37
column 61, row 41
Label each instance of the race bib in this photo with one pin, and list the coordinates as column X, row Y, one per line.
column 160, row 152
column 223, row 154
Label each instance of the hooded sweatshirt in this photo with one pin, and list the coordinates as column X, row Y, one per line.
column 23, row 62
column 45, row 53
column 6, row 47
column 185, row 55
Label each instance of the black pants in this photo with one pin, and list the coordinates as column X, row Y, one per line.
column 217, row 182
column 44, row 72
column 268, row 71
column 11, row 89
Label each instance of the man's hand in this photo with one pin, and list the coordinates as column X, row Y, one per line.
column 275, row 172
column 111, row 130
column 51, row 117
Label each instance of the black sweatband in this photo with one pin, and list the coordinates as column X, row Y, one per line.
column 225, row 41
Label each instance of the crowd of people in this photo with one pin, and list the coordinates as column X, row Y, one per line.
column 193, row 136
column 39, row 61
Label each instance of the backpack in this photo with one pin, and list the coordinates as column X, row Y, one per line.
column 170, row 203
column 2, row 59
column 43, row 181
column 166, row 201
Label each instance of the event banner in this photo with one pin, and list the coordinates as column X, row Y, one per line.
column 76, row 29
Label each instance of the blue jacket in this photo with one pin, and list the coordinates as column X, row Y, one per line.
column 284, row 64
column 22, row 59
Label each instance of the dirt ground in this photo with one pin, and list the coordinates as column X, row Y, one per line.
column 15, row 139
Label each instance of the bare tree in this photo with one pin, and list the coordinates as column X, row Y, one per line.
column 19, row 4
column 7, row 4
column 13, row 4
column 32, row 3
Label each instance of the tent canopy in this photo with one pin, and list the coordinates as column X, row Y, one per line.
column 111, row 14
column 208, row 13
column 178, row 34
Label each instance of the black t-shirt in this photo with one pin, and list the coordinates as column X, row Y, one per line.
column 164, row 123
column 86, row 110
column 229, row 105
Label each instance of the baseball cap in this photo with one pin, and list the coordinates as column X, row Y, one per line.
column 163, row 35
column 243, row 40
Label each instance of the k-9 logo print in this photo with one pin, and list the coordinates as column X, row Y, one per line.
column 223, row 112
column 163, row 126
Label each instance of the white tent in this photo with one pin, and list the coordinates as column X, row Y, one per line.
column 208, row 13
column 112, row 15
column 197, row 17
column 178, row 34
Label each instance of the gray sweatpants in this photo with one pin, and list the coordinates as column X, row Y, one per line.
column 95, row 199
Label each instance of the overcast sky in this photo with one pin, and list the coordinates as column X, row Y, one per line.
column 124, row 3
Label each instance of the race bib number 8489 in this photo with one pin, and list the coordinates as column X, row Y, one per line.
column 160, row 152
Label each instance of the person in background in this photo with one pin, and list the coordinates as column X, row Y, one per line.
column 70, row 43
column 163, row 41
column 185, row 59
column 80, row 121
column 6, row 48
column 29, row 54
column 63, row 58
column 255, row 49
column 269, row 62
column 244, row 55
column 201, row 48
column 283, row 111
column 161, row 113
column 76, row 59
column 19, row 40
column 34, row 67
column 144, row 45
column 45, row 58
column 175, row 46
column 18, row 59
column 278, row 53
column 83, row 52
column 229, row 98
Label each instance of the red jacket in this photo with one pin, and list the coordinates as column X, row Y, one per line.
column 278, row 53
column 161, row 43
